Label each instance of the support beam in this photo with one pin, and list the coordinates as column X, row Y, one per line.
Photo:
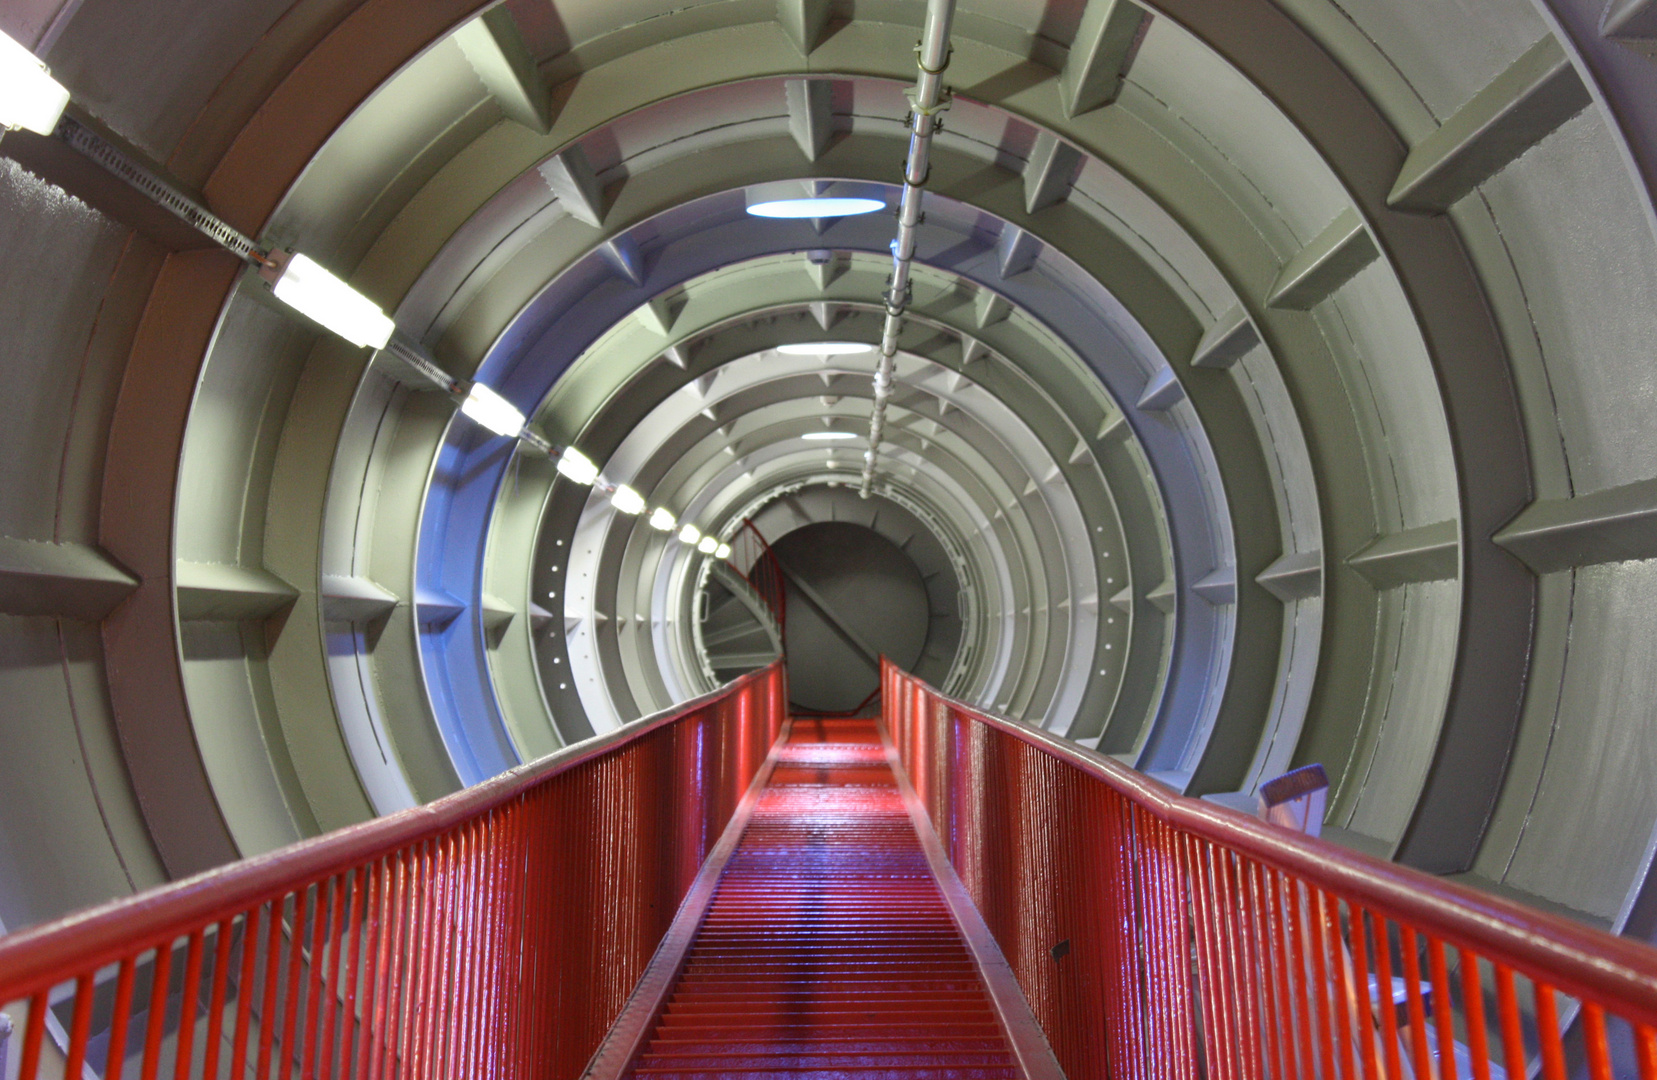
column 1630, row 20
column 215, row 592
column 355, row 599
column 1332, row 259
column 1015, row 251
column 1163, row 597
column 659, row 314
column 810, row 114
column 1162, row 391
column 1522, row 106
column 1050, row 173
column 495, row 48
column 497, row 615
column 625, row 258
column 1219, row 587
column 570, row 176
column 69, row 581
column 436, row 608
column 804, row 22
column 1106, row 41
column 824, row 267
column 989, row 308
column 1427, row 553
column 1614, row 525
column 1231, row 338
column 1298, row 575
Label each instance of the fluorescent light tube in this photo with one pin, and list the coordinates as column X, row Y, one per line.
column 626, row 500
column 574, row 465
column 29, row 97
column 492, row 411
column 825, row 348
column 310, row 290
column 691, row 535
column 708, row 545
column 826, row 436
column 815, row 208
column 723, row 551
column 661, row 519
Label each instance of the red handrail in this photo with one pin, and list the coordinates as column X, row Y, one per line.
column 1153, row 932
column 495, row 932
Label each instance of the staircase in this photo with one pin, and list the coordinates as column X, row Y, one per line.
column 738, row 632
column 721, row 891
column 828, row 950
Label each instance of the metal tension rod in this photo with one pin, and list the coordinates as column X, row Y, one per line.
column 927, row 100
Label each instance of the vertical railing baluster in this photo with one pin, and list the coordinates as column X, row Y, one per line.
column 1290, row 892
column 115, row 1057
column 189, row 995
column 34, row 1032
column 1321, row 980
column 307, row 1046
column 216, row 997
column 1645, row 1051
column 1444, row 1017
column 295, row 979
column 1514, row 1057
column 1343, row 991
column 1277, row 905
column 155, row 1028
column 1547, row 1030
column 1472, row 998
column 80, row 1027
column 357, row 921
column 1389, row 1007
column 1593, row 1037
column 1412, row 996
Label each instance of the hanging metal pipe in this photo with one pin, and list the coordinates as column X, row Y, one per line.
column 926, row 100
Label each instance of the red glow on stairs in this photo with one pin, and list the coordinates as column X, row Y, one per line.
column 828, row 950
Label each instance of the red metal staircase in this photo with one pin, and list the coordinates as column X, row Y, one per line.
column 828, row 949
column 944, row 893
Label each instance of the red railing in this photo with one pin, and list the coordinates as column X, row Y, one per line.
column 1159, row 936
column 494, row 933
column 753, row 558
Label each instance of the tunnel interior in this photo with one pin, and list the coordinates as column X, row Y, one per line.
column 1273, row 388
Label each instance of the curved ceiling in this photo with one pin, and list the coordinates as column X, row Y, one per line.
column 1276, row 389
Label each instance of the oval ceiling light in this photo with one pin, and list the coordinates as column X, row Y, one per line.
column 29, row 96
column 816, row 207
column 825, row 348
column 823, row 436
column 626, row 500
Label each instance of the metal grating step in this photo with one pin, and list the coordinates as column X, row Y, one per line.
column 828, row 950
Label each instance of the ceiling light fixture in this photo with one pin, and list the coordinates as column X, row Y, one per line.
column 29, row 96
column 825, row 348
column 303, row 285
column 824, row 436
column 661, row 519
column 576, row 466
column 708, row 545
column 492, row 411
column 822, row 207
column 723, row 551
column 691, row 535
column 626, row 500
